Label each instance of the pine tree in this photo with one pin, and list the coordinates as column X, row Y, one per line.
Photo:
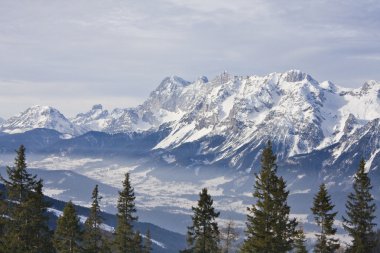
column 299, row 242
column 377, row 240
column 26, row 230
column 3, row 221
column 269, row 228
column 93, row 241
column 68, row 234
column 284, row 228
column 126, row 215
column 42, row 236
column 137, row 243
column 360, row 211
column 228, row 235
column 203, row 235
column 147, row 248
column 324, row 217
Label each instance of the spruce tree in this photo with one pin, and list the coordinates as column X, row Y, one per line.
column 93, row 241
column 3, row 221
column 269, row 227
column 42, row 236
column 137, row 243
column 203, row 235
column 68, row 234
column 125, row 217
column 324, row 217
column 284, row 228
column 299, row 242
column 360, row 213
column 26, row 230
column 147, row 248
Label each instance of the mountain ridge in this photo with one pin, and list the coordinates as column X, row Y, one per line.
column 298, row 113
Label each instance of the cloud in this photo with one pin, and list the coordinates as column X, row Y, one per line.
column 122, row 48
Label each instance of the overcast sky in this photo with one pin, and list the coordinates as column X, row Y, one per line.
column 72, row 54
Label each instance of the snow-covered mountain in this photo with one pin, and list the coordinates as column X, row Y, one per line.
column 2, row 120
column 298, row 113
column 95, row 119
column 210, row 133
column 40, row 117
column 292, row 109
column 161, row 107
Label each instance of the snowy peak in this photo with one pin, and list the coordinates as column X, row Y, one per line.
column 95, row 119
column 172, row 82
column 97, row 107
column 202, row 79
column 327, row 85
column 40, row 117
column 167, row 94
column 295, row 75
column 369, row 87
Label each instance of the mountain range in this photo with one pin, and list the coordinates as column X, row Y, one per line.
column 210, row 133
column 296, row 112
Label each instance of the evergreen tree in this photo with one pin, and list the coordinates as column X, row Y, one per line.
column 203, row 235
column 147, row 242
column 284, row 228
column 324, row 217
column 93, row 241
column 26, row 229
column 42, row 236
column 360, row 211
column 228, row 235
column 126, row 215
column 269, row 228
column 137, row 243
column 68, row 234
column 299, row 242
column 377, row 240
column 3, row 221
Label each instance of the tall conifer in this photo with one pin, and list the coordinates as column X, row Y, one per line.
column 3, row 221
column 42, row 236
column 203, row 235
column 269, row 228
column 93, row 240
column 324, row 217
column 68, row 234
column 26, row 229
column 125, row 217
column 360, row 213
column 137, row 243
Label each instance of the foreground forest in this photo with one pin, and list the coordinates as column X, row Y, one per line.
column 269, row 228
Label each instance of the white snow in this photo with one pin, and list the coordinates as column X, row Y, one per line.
column 62, row 163
column 300, row 191
column 52, row 192
column 301, row 218
column 169, row 158
column 369, row 162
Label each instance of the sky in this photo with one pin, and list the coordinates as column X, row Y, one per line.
column 71, row 54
